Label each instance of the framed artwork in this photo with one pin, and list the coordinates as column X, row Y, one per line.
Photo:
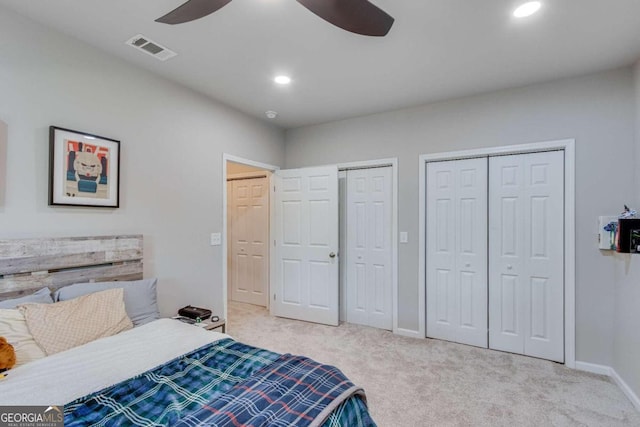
column 84, row 169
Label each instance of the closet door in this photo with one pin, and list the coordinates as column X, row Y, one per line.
column 526, row 253
column 369, row 250
column 457, row 251
column 248, row 205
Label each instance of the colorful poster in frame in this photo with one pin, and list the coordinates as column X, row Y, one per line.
column 84, row 169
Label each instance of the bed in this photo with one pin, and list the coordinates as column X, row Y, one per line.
column 159, row 372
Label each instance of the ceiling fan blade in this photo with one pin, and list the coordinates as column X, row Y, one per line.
column 192, row 10
column 357, row 16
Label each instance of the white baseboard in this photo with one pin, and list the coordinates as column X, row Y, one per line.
column 407, row 333
column 610, row 372
column 593, row 368
column 626, row 389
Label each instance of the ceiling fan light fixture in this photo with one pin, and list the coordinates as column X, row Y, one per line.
column 357, row 16
column 527, row 9
column 282, row 80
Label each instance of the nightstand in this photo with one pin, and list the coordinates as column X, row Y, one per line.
column 209, row 325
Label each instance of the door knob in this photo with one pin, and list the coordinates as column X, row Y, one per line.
column 467, row 265
column 509, row 267
column 332, row 255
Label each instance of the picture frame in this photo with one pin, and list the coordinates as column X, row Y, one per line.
column 84, row 169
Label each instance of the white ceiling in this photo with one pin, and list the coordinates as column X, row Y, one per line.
column 437, row 49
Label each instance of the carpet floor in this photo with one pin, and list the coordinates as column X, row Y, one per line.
column 412, row 382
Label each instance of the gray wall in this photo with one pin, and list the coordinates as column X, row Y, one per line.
column 597, row 110
column 172, row 145
column 627, row 289
column 3, row 161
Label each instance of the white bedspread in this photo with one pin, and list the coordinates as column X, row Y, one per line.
column 65, row 376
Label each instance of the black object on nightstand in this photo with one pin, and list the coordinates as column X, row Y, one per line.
column 195, row 312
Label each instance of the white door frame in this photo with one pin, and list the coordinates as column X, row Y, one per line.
column 230, row 158
column 568, row 145
column 393, row 162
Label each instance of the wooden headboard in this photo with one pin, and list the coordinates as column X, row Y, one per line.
column 27, row 265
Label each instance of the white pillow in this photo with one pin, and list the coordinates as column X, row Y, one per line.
column 13, row 327
column 64, row 325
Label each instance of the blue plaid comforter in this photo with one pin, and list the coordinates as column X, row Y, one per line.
column 292, row 391
column 225, row 376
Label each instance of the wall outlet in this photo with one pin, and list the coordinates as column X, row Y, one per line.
column 216, row 239
column 404, row 237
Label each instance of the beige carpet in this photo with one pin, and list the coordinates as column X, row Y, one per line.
column 413, row 382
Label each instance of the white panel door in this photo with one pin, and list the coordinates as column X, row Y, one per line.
column 369, row 247
column 248, row 206
column 526, row 253
column 342, row 267
column 306, row 239
column 457, row 251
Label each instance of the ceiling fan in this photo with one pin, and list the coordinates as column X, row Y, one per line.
column 357, row 16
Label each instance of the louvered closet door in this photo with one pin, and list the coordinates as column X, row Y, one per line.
column 526, row 253
column 457, row 251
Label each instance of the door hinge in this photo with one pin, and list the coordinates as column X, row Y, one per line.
column 274, row 297
column 274, row 243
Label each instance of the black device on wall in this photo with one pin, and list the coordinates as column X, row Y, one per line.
column 628, row 240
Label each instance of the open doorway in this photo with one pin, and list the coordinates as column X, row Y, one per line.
column 247, row 208
column 248, row 234
column 368, row 302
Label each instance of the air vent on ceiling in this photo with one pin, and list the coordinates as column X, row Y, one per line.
column 150, row 47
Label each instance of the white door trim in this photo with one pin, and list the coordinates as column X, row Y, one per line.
column 393, row 162
column 568, row 145
column 231, row 158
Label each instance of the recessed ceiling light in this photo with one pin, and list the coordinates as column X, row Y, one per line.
column 271, row 114
column 282, row 80
column 527, row 9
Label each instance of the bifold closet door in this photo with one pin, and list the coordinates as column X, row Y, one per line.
column 457, row 251
column 526, row 254
column 369, row 248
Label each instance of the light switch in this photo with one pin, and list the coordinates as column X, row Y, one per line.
column 216, row 239
column 404, row 237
